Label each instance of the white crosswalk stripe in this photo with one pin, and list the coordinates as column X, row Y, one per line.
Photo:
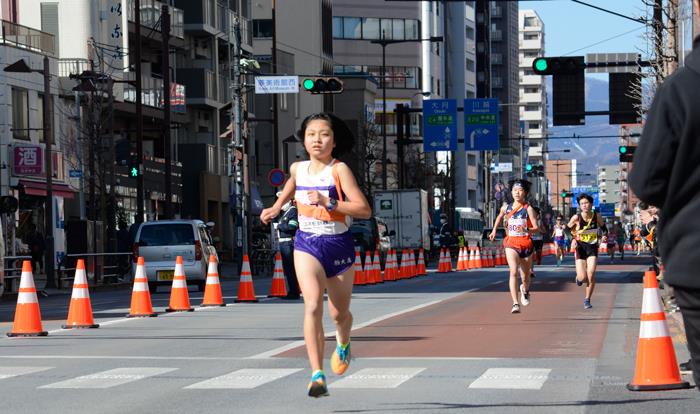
column 377, row 378
column 9, row 372
column 110, row 378
column 512, row 378
column 244, row 379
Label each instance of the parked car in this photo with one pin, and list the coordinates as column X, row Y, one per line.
column 160, row 242
column 371, row 234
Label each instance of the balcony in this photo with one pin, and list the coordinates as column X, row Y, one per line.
column 152, row 92
column 531, row 44
column 202, row 88
column 27, row 38
column 150, row 16
column 68, row 67
column 535, row 98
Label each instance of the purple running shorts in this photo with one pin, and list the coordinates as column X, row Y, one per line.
column 335, row 252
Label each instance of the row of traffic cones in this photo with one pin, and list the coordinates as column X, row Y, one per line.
column 411, row 266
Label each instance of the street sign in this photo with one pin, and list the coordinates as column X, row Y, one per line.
column 497, row 167
column 276, row 84
column 607, row 209
column 481, row 124
column 276, row 177
column 75, row 173
column 439, row 125
column 29, row 160
column 591, row 191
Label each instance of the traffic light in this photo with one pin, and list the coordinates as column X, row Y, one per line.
column 133, row 169
column 534, row 170
column 558, row 65
column 317, row 85
column 568, row 84
column 626, row 153
column 528, row 167
column 566, row 194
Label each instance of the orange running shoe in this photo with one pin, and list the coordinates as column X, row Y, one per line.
column 340, row 360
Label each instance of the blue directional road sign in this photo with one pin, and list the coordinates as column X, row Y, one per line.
column 481, row 124
column 607, row 209
column 591, row 191
column 439, row 125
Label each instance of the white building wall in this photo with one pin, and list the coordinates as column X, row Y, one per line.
column 533, row 95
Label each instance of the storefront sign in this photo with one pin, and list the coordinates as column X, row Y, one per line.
column 28, row 160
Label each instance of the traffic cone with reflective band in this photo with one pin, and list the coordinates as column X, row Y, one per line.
column 369, row 273
column 378, row 268
column 421, row 263
column 359, row 278
column 441, row 261
column 278, row 289
column 140, row 296
column 460, row 259
column 394, row 266
column 246, row 291
column 478, row 263
column 657, row 367
column 448, row 260
column 179, row 296
column 80, row 310
column 212, row 290
column 27, row 314
column 411, row 263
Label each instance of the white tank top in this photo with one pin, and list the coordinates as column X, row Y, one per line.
column 324, row 183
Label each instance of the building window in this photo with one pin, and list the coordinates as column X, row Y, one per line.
column 534, row 125
column 531, row 36
column 471, row 65
column 470, row 33
column 262, row 28
column 20, row 114
column 531, row 54
column 352, row 28
column 532, row 107
column 370, row 28
column 532, row 90
column 531, row 22
column 40, row 116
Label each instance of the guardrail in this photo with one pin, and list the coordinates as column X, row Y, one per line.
column 100, row 268
column 13, row 271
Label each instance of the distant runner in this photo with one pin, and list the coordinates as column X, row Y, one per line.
column 559, row 236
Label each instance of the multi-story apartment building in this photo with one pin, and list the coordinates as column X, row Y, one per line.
column 533, row 94
column 474, row 160
column 629, row 135
column 561, row 175
column 609, row 185
column 505, row 82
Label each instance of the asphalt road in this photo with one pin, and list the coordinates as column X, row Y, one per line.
column 441, row 343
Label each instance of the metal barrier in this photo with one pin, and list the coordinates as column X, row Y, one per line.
column 262, row 262
column 13, row 271
column 100, row 268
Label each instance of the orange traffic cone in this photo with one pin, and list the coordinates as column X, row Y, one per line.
column 359, row 278
column 140, row 296
column 421, row 263
column 657, row 367
column 393, row 272
column 378, row 268
column 369, row 277
column 246, row 290
column 27, row 313
column 212, row 291
column 478, row 263
column 80, row 310
column 179, row 296
column 279, row 287
column 460, row 259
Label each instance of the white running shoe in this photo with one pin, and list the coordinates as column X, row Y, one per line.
column 515, row 308
column 524, row 296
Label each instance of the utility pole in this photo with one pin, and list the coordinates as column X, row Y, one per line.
column 483, row 85
column 48, row 139
column 165, row 30
column 658, row 24
column 237, row 165
column 275, row 110
column 139, row 115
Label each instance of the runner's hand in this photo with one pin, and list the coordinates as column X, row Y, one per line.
column 269, row 213
column 492, row 236
column 316, row 198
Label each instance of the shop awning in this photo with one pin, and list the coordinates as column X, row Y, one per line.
column 36, row 188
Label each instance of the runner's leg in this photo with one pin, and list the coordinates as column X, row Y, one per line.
column 339, row 293
column 591, row 264
column 513, row 263
column 312, row 281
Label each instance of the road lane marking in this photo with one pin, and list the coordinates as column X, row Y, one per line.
column 125, row 357
column 296, row 344
column 110, row 378
column 244, row 379
column 378, row 378
column 512, row 378
column 9, row 372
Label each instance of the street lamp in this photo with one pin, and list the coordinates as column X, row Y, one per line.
column 21, row 67
column 383, row 43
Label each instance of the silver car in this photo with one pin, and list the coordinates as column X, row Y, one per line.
column 160, row 242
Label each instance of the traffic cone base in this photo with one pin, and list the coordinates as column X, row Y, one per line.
column 27, row 320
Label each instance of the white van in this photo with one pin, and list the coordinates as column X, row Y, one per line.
column 160, row 242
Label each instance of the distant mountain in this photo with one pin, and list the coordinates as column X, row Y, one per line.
column 590, row 152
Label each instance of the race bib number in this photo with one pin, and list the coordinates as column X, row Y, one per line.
column 517, row 227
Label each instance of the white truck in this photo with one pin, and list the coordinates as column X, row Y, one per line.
column 406, row 213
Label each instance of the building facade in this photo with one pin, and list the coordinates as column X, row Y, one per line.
column 608, row 178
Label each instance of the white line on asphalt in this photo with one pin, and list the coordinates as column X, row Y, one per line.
column 110, row 378
column 512, row 378
column 125, row 357
column 295, row 344
column 378, row 378
column 9, row 372
column 244, row 379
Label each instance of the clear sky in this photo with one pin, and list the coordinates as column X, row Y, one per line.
column 570, row 26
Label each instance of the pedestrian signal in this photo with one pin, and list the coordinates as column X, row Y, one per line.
column 626, row 153
column 319, row 85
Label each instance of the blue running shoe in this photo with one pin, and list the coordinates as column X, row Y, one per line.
column 578, row 282
column 317, row 386
column 587, row 304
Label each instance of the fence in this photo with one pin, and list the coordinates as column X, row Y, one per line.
column 13, row 271
column 262, row 262
column 100, row 268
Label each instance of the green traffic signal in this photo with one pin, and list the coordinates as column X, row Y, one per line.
column 564, row 194
column 528, row 167
column 623, row 149
column 540, row 64
column 134, row 172
column 308, row 84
